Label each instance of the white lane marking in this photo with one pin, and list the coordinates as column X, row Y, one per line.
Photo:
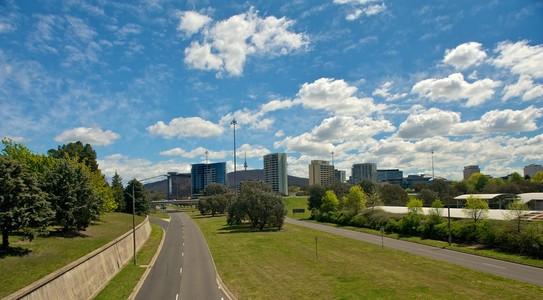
column 491, row 265
column 181, row 270
column 183, row 254
column 176, row 296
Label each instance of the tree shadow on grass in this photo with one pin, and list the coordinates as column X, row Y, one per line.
column 245, row 228
column 14, row 251
column 208, row 216
column 66, row 234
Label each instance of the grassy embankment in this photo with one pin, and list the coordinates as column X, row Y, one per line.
column 48, row 254
column 301, row 202
column 284, row 265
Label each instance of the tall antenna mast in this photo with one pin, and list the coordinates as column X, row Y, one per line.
column 245, row 163
column 207, row 153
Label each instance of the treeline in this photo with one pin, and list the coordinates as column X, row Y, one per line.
column 64, row 189
column 355, row 207
column 256, row 205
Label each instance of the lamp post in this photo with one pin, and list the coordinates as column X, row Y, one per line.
column 234, row 123
column 134, row 213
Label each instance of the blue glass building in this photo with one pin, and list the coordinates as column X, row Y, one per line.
column 204, row 174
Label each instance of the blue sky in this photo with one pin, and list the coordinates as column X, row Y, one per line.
column 154, row 84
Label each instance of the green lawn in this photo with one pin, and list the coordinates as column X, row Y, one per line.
column 296, row 202
column 284, row 265
column 48, row 254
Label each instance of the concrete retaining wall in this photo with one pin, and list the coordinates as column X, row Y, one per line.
column 85, row 277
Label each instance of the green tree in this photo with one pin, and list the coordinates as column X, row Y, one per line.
column 414, row 206
column 23, row 204
column 329, row 202
column 516, row 178
column 82, row 153
column 538, row 177
column 436, row 211
column 71, row 195
column 35, row 163
column 393, row 194
column 475, row 208
column 427, row 196
column 477, row 181
column 214, row 189
column 517, row 209
column 135, row 191
column 316, row 193
column 374, row 198
column 258, row 204
column 355, row 200
column 118, row 192
column 215, row 199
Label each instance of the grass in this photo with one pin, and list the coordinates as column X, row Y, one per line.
column 122, row 285
column 48, row 254
column 301, row 202
column 284, row 265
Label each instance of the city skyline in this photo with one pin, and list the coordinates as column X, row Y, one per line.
column 153, row 86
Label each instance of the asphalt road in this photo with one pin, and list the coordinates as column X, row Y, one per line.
column 514, row 271
column 184, row 268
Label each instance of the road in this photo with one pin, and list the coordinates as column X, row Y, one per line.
column 514, row 271
column 184, row 268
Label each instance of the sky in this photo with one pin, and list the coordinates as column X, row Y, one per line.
column 154, row 84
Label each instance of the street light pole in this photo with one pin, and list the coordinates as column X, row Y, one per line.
column 134, row 220
column 234, row 123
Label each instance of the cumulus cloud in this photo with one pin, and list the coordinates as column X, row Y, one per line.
column 455, row 87
column 93, row 136
column 226, row 44
column 430, row 123
column 190, row 22
column 336, row 96
column 511, row 120
column 199, row 152
column 384, row 92
column 524, row 87
column 185, row 127
column 520, row 58
column 465, row 55
column 255, row 118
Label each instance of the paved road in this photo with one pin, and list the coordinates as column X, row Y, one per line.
column 184, row 268
column 514, row 271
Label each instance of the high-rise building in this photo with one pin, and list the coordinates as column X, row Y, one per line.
column 275, row 172
column 390, row 175
column 365, row 171
column 340, row 175
column 532, row 169
column 321, row 172
column 204, row 174
column 471, row 169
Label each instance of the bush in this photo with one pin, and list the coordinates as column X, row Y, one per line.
column 359, row 220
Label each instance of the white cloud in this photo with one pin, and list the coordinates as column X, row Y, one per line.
column 361, row 7
column 511, row 120
column 525, row 87
column 430, row 123
column 93, row 136
column 520, row 58
column 227, row 43
column 465, row 55
column 336, row 96
column 196, row 153
column 185, row 127
column 190, row 22
column 384, row 92
column 455, row 87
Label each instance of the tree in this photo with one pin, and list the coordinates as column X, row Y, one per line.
column 374, row 198
column 258, row 204
column 35, row 163
column 516, row 178
column 118, row 192
column 477, row 181
column 538, row 177
column 214, row 189
column 215, row 199
column 135, row 192
column 23, row 205
column 367, row 185
column 436, row 211
column 329, row 202
column 517, row 209
column 71, row 195
column 393, row 194
column 82, row 153
column 316, row 193
column 355, row 200
column 475, row 208
column 414, row 206
column 102, row 189
column 427, row 196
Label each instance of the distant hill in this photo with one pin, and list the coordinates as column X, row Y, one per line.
column 259, row 176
